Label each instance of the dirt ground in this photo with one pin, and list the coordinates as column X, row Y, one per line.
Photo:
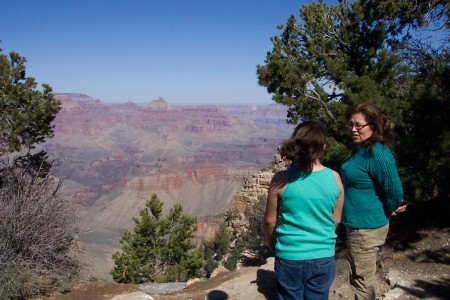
column 414, row 264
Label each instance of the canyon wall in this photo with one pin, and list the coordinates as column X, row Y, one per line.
column 115, row 156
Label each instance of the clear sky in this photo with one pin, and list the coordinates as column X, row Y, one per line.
column 186, row 51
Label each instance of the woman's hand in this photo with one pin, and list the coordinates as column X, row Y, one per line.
column 400, row 209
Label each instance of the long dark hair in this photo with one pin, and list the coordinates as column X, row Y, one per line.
column 306, row 144
column 379, row 123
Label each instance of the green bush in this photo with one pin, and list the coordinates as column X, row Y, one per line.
column 160, row 249
column 214, row 251
column 233, row 258
column 209, row 265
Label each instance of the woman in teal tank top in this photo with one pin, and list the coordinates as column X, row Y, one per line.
column 304, row 205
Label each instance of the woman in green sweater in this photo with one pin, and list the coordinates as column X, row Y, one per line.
column 373, row 192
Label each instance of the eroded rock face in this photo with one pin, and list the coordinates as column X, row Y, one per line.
column 114, row 148
column 174, row 181
column 83, row 115
column 254, row 190
column 115, row 156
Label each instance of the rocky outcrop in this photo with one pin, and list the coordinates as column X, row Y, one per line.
column 207, row 228
column 254, row 190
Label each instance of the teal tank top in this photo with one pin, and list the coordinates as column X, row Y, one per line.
column 305, row 228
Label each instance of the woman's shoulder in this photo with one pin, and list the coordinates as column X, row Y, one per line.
column 379, row 148
column 279, row 181
column 334, row 173
column 382, row 152
column 282, row 175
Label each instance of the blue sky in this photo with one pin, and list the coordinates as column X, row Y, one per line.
column 186, row 51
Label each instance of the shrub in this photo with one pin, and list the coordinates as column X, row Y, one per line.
column 160, row 249
column 38, row 228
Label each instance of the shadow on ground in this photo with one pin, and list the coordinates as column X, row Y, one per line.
column 429, row 289
column 406, row 228
column 266, row 281
column 217, row 295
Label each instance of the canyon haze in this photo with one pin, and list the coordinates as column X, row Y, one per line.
column 113, row 157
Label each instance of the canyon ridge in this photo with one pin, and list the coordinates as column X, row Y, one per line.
column 113, row 157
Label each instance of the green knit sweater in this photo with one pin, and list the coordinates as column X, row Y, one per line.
column 373, row 189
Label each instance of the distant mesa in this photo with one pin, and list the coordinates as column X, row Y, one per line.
column 74, row 97
column 159, row 103
column 74, row 101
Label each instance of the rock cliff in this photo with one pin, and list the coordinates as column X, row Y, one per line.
column 115, row 156
column 253, row 190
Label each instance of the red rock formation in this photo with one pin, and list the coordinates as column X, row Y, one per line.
column 206, row 231
column 105, row 147
column 169, row 182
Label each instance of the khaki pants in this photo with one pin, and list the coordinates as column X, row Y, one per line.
column 362, row 247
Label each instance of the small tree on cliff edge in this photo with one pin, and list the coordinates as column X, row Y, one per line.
column 26, row 113
column 38, row 226
column 160, row 249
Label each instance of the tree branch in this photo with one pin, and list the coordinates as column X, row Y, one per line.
column 322, row 103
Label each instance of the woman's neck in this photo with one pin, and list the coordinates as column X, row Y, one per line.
column 317, row 165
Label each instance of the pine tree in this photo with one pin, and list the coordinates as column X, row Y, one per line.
column 367, row 50
column 215, row 250
column 160, row 249
column 27, row 112
column 38, row 226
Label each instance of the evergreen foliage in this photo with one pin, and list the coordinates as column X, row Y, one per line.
column 38, row 226
column 367, row 50
column 160, row 249
column 27, row 112
column 234, row 256
column 215, row 251
column 254, row 236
